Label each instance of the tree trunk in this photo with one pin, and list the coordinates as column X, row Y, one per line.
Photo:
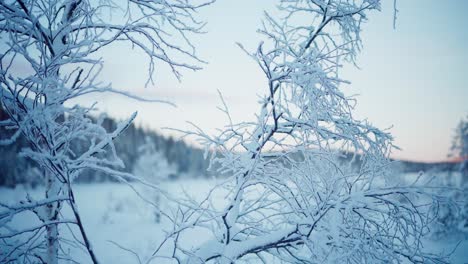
column 52, row 244
column 52, row 214
column 157, row 214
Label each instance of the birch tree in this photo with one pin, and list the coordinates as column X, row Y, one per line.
column 50, row 57
column 289, row 198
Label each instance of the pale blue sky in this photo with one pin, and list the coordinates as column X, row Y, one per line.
column 413, row 78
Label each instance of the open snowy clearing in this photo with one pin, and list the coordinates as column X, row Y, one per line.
column 123, row 229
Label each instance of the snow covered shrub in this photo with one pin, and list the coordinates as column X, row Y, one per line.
column 153, row 166
column 460, row 149
column 450, row 218
column 451, row 213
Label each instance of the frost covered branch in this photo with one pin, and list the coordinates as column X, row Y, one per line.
column 289, row 195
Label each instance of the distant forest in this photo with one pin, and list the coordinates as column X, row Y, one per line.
column 186, row 159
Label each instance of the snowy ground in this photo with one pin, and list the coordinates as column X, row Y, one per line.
column 113, row 213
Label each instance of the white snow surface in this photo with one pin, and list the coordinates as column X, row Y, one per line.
column 122, row 228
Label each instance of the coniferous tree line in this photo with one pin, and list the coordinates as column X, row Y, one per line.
column 188, row 160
